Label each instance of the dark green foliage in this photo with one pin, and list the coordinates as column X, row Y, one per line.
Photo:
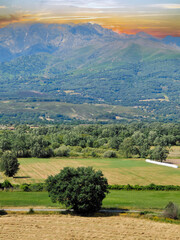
column 31, row 211
column 82, row 189
column 149, row 187
column 128, row 147
column 41, row 187
column 159, row 153
column 61, row 140
column 34, row 187
column 25, row 187
column 172, row 211
column 6, row 184
column 9, row 164
column 2, row 212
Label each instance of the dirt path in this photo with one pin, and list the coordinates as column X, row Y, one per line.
column 54, row 227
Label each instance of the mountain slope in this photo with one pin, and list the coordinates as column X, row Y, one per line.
column 89, row 64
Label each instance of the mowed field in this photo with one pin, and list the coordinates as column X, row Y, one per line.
column 46, row 227
column 117, row 170
column 139, row 200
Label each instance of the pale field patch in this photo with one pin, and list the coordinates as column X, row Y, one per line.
column 174, row 152
column 66, row 227
column 117, row 171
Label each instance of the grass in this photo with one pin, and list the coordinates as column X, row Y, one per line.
column 117, row 171
column 115, row 199
column 140, row 199
column 23, row 199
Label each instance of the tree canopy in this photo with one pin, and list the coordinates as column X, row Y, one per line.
column 81, row 189
column 9, row 164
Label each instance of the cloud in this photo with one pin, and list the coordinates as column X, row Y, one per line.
column 100, row 4
column 9, row 18
column 166, row 6
column 13, row 18
column 2, row 7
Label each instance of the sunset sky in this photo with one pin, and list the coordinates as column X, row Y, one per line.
column 156, row 17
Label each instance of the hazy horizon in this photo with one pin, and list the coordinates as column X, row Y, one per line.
column 158, row 18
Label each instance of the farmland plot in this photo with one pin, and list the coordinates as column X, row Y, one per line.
column 41, row 227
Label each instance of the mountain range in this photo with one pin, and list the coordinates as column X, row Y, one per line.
column 86, row 63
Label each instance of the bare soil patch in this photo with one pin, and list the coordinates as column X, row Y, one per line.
column 46, row 227
column 173, row 161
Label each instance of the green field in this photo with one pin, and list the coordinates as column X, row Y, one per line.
column 115, row 199
column 117, row 170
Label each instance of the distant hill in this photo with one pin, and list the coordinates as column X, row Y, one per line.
column 90, row 64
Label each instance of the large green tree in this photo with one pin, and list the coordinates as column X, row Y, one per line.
column 159, row 153
column 81, row 189
column 9, row 164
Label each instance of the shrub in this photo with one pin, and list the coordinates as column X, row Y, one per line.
column 31, row 211
column 2, row 212
column 62, row 151
column 82, row 189
column 110, row 154
column 37, row 187
column 172, row 211
column 94, row 154
column 25, row 187
column 6, row 184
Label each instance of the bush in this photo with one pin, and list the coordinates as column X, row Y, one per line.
column 25, row 187
column 82, row 189
column 172, row 211
column 110, row 154
column 149, row 187
column 31, row 211
column 6, row 184
column 2, row 212
column 62, row 151
column 37, row 187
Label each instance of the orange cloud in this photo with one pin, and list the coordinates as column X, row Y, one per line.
column 158, row 25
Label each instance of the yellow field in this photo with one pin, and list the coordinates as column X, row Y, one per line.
column 53, row 227
column 174, row 153
column 117, row 171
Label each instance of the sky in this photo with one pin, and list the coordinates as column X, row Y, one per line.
column 156, row 17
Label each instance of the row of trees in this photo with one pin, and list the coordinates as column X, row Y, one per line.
column 128, row 139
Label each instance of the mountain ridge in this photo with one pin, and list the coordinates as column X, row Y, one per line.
column 19, row 39
column 90, row 64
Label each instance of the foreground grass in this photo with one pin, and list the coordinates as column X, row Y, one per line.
column 117, row 171
column 115, row 199
column 140, row 199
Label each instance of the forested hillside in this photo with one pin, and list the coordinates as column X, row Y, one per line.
column 89, row 64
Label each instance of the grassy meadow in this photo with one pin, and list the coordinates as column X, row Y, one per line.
column 116, row 170
column 150, row 200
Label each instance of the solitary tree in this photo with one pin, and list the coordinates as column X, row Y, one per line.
column 81, row 189
column 159, row 153
column 9, row 164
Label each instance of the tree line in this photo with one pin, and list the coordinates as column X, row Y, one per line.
column 129, row 140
